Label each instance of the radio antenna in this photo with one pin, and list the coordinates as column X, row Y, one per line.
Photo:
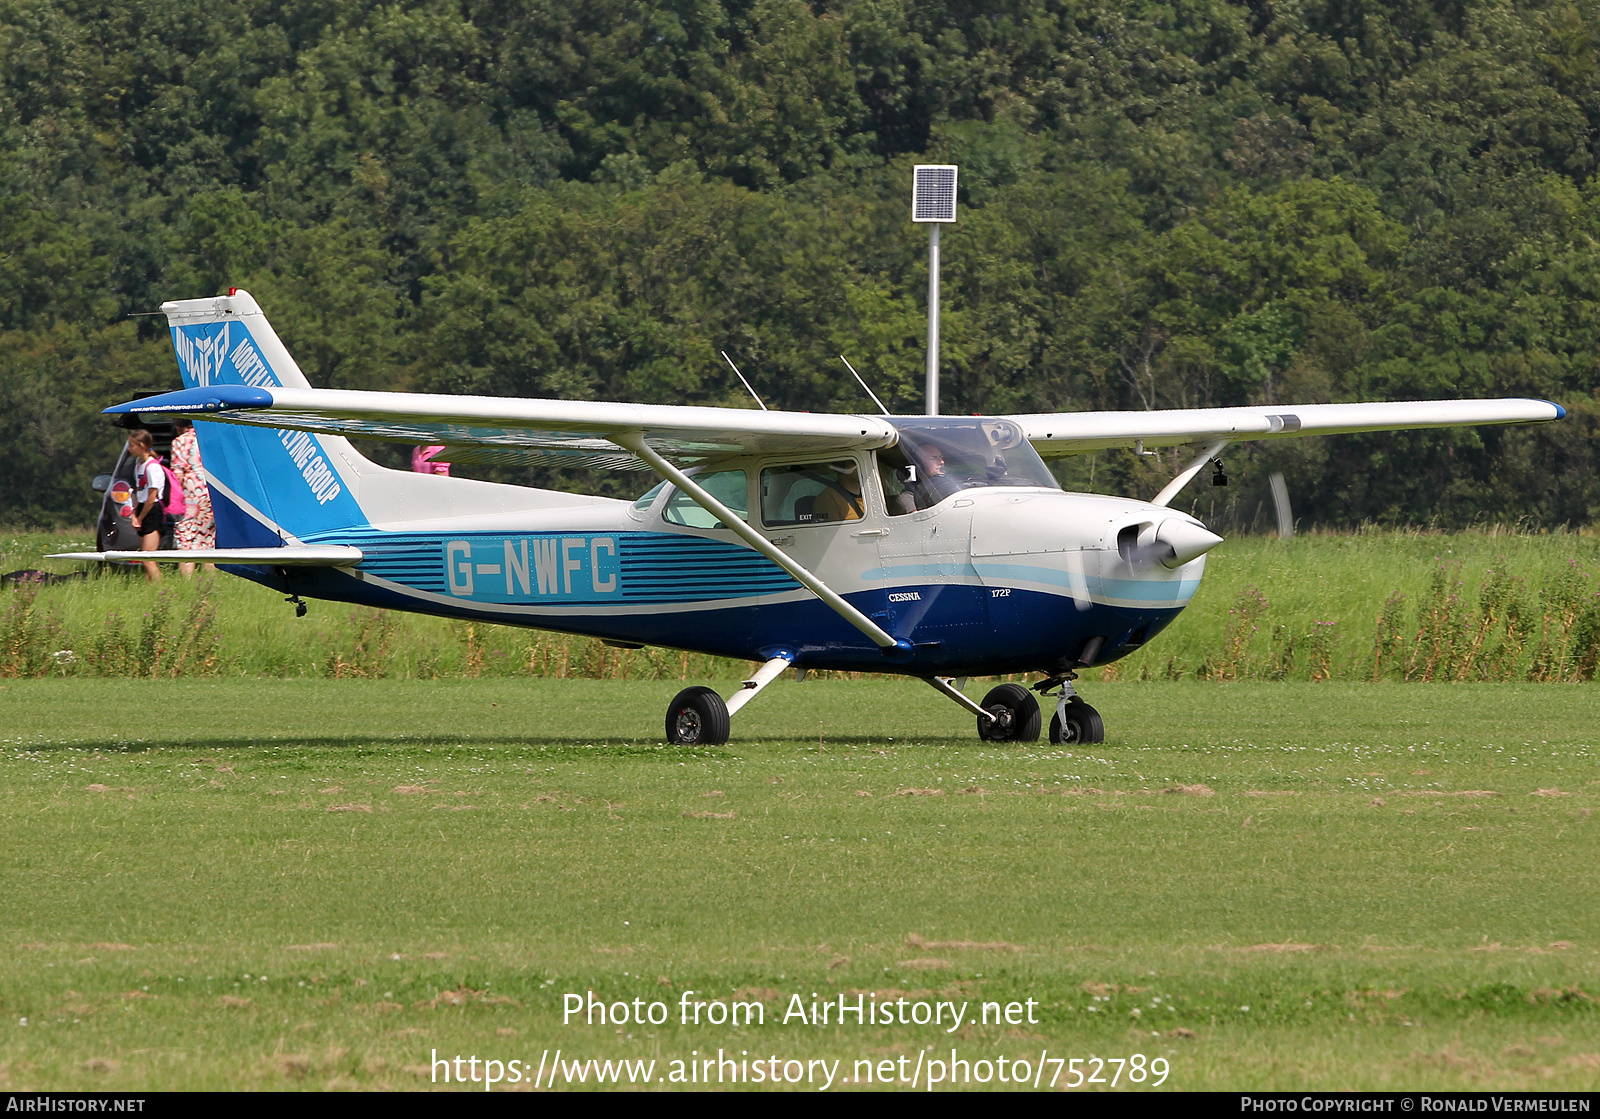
column 742, row 381
column 863, row 384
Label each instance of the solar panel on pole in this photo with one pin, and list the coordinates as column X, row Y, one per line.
column 933, row 202
column 933, row 192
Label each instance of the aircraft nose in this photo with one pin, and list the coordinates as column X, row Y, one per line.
column 1186, row 539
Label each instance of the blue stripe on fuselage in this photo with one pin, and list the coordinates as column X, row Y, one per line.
column 1163, row 591
column 1036, row 630
column 567, row 569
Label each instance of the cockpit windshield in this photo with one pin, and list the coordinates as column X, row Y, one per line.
column 938, row 456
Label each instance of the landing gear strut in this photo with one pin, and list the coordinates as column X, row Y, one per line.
column 699, row 717
column 1074, row 721
column 1007, row 714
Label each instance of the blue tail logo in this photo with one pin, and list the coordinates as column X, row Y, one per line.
column 268, row 482
column 203, row 352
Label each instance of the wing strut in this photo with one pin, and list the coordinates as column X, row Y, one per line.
column 635, row 443
column 944, row 684
column 1172, row 488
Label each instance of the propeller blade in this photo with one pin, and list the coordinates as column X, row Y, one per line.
column 1078, row 581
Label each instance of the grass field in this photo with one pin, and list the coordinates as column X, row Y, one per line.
column 257, row 883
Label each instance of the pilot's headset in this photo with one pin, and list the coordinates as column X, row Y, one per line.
column 922, row 451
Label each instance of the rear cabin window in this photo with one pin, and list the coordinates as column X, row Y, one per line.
column 812, row 493
column 727, row 486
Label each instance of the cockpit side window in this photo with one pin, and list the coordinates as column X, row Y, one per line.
column 936, row 457
column 898, row 478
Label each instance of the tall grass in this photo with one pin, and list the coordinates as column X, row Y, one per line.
column 1404, row 606
column 1401, row 606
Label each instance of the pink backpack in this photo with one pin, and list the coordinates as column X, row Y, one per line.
column 175, row 507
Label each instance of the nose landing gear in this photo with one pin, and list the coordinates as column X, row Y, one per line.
column 1074, row 720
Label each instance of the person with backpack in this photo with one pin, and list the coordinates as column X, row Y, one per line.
column 149, row 498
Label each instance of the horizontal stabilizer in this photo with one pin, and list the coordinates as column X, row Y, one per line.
column 331, row 555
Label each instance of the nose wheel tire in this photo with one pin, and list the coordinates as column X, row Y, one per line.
column 697, row 717
column 1016, row 715
column 1082, row 725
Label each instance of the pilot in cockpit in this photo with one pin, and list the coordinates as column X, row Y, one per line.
column 932, row 483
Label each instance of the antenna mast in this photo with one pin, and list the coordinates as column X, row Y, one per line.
column 863, row 384
column 742, row 381
column 933, row 202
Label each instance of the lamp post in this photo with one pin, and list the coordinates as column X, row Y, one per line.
column 933, row 203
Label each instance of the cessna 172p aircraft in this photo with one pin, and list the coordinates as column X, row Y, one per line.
column 935, row 547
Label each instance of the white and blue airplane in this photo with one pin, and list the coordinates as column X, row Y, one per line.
column 934, row 547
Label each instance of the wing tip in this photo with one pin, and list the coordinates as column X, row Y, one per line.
column 1561, row 413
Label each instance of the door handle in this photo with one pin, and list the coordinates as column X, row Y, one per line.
column 871, row 532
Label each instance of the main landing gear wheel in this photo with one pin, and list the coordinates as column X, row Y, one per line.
column 1016, row 715
column 697, row 717
column 1082, row 725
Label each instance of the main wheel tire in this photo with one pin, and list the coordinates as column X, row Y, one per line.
column 1083, row 725
column 697, row 717
column 1016, row 715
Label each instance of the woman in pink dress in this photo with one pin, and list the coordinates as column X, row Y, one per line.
column 198, row 529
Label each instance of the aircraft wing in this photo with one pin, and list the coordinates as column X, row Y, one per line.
column 586, row 430
column 1055, row 434
column 569, row 429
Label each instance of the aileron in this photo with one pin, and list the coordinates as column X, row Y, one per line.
column 1070, row 433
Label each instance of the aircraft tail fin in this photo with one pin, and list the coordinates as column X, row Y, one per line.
column 275, row 488
column 269, row 487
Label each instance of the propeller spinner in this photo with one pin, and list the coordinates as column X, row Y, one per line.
column 1172, row 542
